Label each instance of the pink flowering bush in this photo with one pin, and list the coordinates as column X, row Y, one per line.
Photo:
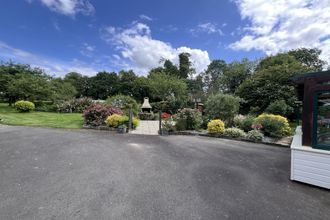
column 96, row 114
column 256, row 126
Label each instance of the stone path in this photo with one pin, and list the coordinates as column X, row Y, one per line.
column 147, row 128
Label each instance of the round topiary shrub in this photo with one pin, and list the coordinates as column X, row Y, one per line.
column 115, row 120
column 234, row 132
column 216, row 127
column 274, row 125
column 255, row 135
column 24, row 106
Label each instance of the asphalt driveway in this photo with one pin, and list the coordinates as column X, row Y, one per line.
column 83, row 174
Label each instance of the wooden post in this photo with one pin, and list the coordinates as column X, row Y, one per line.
column 130, row 119
column 160, row 123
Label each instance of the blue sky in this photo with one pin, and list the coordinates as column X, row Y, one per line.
column 93, row 35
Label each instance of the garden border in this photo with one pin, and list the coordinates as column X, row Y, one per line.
column 196, row 133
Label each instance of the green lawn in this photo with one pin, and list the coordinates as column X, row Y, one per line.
column 10, row 116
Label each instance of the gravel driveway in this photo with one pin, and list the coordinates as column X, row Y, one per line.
column 84, row 174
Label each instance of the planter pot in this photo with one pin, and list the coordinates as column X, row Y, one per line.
column 309, row 165
column 121, row 130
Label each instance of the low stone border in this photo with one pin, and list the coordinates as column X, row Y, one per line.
column 102, row 128
column 267, row 141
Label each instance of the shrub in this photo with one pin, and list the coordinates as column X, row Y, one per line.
column 135, row 123
column 222, row 106
column 123, row 102
column 188, row 119
column 255, row 135
column 75, row 105
column 238, row 119
column 247, row 123
column 165, row 115
column 96, row 114
column 274, row 125
column 216, row 127
column 168, row 124
column 24, row 106
column 234, row 132
column 115, row 120
column 279, row 107
column 171, row 105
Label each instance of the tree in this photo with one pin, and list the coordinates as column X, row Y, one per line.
column 195, row 88
column 62, row 90
column 171, row 69
column 213, row 74
column 127, row 82
column 78, row 81
column 309, row 58
column 271, row 81
column 185, row 68
column 102, row 85
column 10, row 72
column 163, row 86
column 234, row 75
column 30, row 87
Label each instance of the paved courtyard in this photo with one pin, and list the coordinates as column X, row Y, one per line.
column 84, row 174
column 147, row 128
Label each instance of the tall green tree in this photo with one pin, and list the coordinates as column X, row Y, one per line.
column 171, row 69
column 309, row 57
column 62, row 90
column 164, row 86
column 102, row 85
column 127, row 82
column 213, row 74
column 272, row 81
column 185, row 67
column 234, row 74
column 29, row 87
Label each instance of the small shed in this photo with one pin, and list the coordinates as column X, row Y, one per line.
column 310, row 148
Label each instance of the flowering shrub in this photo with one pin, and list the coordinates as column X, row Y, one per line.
column 115, row 120
column 24, row 106
column 234, row 132
column 255, row 135
column 96, row 114
column 256, row 126
column 216, row 127
column 274, row 125
column 238, row 119
column 75, row 105
column 165, row 115
column 188, row 119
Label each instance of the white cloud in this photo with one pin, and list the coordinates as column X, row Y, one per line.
column 136, row 45
column 69, row 7
column 87, row 50
column 51, row 66
column 209, row 28
column 277, row 26
column 145, row 17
